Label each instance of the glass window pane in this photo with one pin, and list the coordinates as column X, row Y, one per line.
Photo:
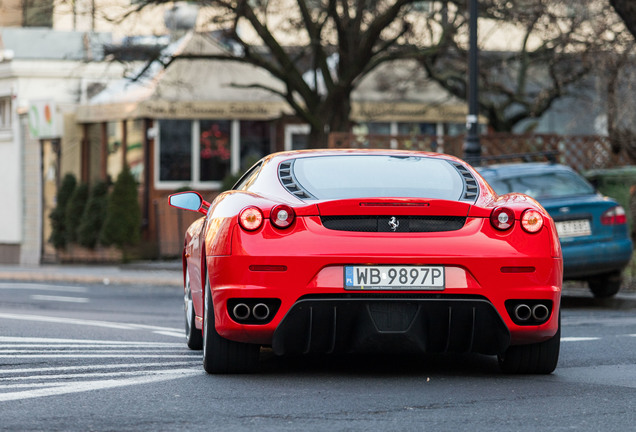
column 417, row 128
column 135, row 149
column 341, row 177
column 175, row 152
column 215, row 150
column 114, row 146
column 255, row 142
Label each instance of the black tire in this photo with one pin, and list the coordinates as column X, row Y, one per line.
column 220, row 355
column 538, row 358
column 194, row 336
column 605, row 285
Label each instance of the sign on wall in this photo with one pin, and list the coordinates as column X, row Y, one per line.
column 43, row 121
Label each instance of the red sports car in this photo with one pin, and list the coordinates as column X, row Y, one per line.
column 325, row 251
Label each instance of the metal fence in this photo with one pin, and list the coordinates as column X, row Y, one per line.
column 581, row 152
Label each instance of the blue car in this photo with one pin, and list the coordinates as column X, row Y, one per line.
column 592, row 228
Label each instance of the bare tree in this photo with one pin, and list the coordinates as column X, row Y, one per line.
column 340, row 40
column 552, row 47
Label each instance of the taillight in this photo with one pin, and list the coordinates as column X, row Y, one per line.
column 282, row 216
column 531, row 221
column 614, row 216
column 251, row 218
column 502, row 218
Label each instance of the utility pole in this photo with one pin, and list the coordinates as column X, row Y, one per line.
column 472, row 146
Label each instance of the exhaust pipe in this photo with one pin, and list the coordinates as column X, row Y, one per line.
column 241, row 311
column 260, row 311
column 540, row 312
column 523, row 312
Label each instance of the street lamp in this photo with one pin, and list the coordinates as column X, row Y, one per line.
column 472, row 147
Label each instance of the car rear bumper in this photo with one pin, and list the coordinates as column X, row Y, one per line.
column 580, row 261
column 344, row 325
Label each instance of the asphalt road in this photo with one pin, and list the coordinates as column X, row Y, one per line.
column 112, row 358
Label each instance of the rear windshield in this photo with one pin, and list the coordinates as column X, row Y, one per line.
column 341, row 177
column 545, row 185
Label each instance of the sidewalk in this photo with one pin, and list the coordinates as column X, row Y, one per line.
column 165, row 273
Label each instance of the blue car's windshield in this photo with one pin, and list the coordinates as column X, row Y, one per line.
column 544, row 185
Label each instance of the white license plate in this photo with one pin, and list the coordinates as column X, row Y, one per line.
column 574, row 228
column 394, row 278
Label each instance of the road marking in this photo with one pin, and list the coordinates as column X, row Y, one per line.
column 84, row 386
column 92, row 367
column 66, row 342
column 168, row 333
column 59, row 298
column 82, row 322
column 579, row 339
column 171, row 361
column 41, row 287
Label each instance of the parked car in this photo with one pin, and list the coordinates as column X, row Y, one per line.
column 592, row 228
column 360, row 251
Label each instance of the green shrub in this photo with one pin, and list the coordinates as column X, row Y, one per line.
column 123, row 215
column 75, row 211
column 94, row 216
column 58, row 215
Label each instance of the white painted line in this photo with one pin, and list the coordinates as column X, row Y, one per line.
column 79, row 375
column 173, row 334
column 94, row 367
column 38, row 297
column 59, row 350
column 102, row 356
column 85, row 386
column 34, row 340
column 38, row 347
column 579, row 339
column 41, row 287
column 82, row 322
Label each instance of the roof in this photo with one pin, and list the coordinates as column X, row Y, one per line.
column 189, row 88
column 204, row 88
column 37, row 43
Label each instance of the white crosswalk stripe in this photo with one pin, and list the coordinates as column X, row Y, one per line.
column 81, row 365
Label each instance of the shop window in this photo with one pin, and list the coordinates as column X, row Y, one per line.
column 5, row 112
column 175, row 150
column 115, row 150
column 417, row 129
column 135, row 149
column 214, row 149
column 255, row 142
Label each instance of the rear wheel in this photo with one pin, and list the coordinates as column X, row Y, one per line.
column 194, row 336
column 221, row 355
column 537, row 358
column 605, row 285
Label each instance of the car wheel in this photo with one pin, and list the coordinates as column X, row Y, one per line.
column 194, row 336
column 221, row 355
column 537, row 358
column 605, row 285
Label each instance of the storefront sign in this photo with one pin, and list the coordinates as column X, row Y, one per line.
column 43, row 120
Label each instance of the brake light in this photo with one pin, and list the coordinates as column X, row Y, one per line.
column 614, row 216
column 251, row 218
column 531, row 221
column 282, row 216
column 502, row 218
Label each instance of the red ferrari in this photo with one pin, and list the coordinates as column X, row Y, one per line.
column 345, row 251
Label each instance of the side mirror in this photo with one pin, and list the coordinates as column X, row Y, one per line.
column 189, row 201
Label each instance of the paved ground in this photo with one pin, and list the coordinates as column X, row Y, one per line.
column 164, row 273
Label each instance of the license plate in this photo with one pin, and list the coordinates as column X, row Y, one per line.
column 394, row 278
column 574, row 228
